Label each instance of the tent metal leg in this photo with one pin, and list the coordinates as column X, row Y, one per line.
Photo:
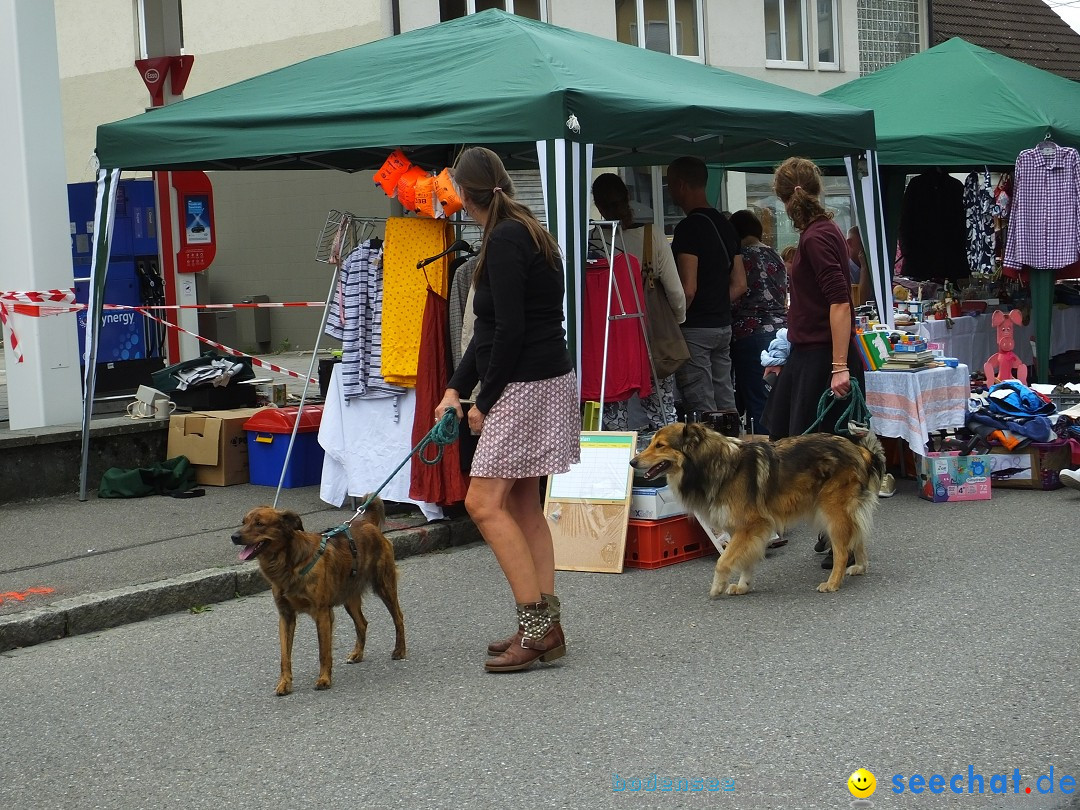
column 1042, row 310
column 307, row 381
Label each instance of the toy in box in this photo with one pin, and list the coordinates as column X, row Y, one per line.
column 910, row 343
column 1037, row 466
column 947, row 477
column 913, row 310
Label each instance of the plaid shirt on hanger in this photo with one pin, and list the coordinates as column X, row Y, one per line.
column 1044, row 226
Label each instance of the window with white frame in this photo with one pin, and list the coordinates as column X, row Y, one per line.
column 828, row 35
column 533, row 9
column 785, row 34
column 668, row 26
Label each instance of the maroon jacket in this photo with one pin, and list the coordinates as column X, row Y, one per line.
column 819, row 278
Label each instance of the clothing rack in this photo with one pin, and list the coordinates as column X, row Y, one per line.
column 342, row 233
column 639, row 311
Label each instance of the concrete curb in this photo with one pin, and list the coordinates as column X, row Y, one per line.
column 91, row 613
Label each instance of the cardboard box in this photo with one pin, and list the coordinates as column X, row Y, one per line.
column 215, row 442
column 952, row 477
column 1035, row 467
column 654, row 503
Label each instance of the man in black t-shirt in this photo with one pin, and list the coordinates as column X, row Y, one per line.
column 707, row 254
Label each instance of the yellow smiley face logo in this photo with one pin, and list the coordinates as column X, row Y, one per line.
column 862, row 784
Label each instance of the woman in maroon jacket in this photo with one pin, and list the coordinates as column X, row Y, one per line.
column 821, row 318
column 821, row 321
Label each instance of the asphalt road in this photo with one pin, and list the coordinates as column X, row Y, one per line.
column 959, row 649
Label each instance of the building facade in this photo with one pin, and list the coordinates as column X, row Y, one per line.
column 267, row 222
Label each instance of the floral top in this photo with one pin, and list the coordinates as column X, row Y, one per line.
column 763, row 309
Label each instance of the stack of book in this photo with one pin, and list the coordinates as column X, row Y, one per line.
column 908, row 361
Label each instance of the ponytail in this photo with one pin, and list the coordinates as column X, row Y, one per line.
column 797, row 182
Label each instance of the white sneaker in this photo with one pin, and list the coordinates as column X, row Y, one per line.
column 888, row 486
column 1070, row 478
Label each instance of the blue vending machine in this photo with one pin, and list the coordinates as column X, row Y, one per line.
column 130, row 347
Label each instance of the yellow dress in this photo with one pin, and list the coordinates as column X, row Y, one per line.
column 408, row 240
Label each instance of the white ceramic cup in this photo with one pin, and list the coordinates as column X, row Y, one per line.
column 163, row 408
column 139, row 410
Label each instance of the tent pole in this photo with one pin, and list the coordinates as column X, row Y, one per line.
column 107, row 181
column 1042, row 310
column 866, row 194
column 307, row 380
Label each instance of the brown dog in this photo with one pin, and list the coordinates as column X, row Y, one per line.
column 305, row 580
column 752, row 489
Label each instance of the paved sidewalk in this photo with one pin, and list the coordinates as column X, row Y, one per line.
column 69, row 567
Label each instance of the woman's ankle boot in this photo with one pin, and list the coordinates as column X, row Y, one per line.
column 554, row 610
column 538, row 639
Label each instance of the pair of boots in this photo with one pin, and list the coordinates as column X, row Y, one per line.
column 539, row 637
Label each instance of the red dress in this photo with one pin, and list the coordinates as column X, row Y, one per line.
column 628, row 368
column 442, row 483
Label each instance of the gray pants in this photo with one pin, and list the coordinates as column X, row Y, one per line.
column 705, row 379
column 659, row 408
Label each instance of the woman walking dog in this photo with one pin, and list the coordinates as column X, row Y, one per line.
column 526, row 411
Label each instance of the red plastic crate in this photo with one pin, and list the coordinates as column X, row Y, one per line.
column 656, row 543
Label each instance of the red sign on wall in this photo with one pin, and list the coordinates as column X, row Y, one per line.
column 198, row 242
column 153, row 72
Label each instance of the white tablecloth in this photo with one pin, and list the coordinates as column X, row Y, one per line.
column 910, row 405
column 973, row 339
column 364, row 444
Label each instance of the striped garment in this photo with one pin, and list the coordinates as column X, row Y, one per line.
column 355, row 318
column 1044, row 223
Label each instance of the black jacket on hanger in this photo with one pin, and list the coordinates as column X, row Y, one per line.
column 933, row 234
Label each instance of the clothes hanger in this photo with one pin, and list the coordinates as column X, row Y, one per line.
column 1047, row 146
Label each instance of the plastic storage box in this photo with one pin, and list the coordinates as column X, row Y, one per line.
column 656, row 543
column 268, row 434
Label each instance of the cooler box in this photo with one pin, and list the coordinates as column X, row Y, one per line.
column 268, row 434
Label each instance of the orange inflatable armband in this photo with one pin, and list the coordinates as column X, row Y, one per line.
column 448, row 198
column 427, row 204
column 406, row 187
column 393, row 167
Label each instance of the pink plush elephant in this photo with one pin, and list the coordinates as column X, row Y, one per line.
column 1001, row 366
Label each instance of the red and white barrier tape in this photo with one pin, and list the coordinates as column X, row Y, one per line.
column 58, row 302
column 16, row 302
column 227, row 349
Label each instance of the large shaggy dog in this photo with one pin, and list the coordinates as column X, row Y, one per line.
column 312, row 574
column 754, row 488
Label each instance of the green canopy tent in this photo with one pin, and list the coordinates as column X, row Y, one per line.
column 542, row 96
column 963, row 107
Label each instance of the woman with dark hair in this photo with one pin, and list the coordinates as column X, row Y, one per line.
column 612, row 200
column 756, row 316
column 526, row 411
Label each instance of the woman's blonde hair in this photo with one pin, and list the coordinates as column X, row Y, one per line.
column 797, row 182
column 480, row 174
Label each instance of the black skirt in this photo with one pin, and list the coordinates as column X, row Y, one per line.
column 792, row 405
